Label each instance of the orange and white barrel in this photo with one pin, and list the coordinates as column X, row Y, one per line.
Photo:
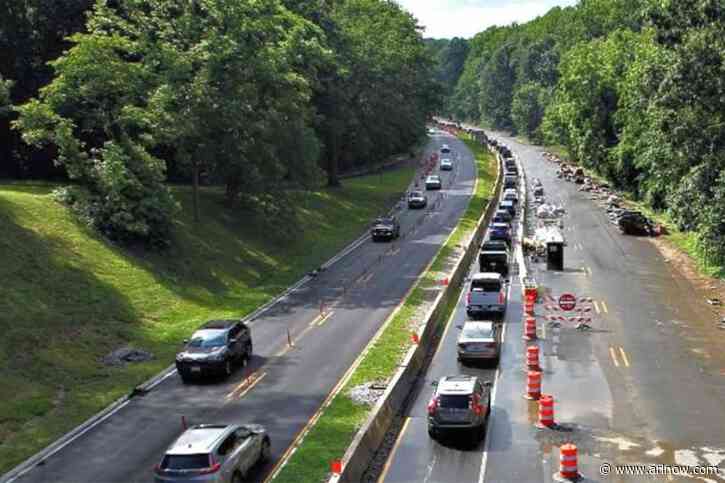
column 530, row 328
column 532, row 358
column 546, row 411
column 568, row 462
column 533, row 385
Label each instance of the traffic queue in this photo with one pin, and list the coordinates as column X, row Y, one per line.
column 461, row 403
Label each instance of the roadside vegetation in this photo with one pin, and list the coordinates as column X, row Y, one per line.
column 330, row 437
column 631, row 89
column 69, row 298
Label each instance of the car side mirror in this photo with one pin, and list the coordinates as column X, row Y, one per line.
column 185, row 341
column 488, row 384
column 434, row 383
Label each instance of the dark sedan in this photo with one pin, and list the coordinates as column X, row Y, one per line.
column 215, row 349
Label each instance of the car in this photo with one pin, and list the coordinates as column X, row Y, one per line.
column 478, row 340
column 500, row 231
column 433, row 182
column 446, row 164
column 445, row 149
column 218, row 453
column 502, row 216
column 215, row 349
column 510, row 163
column 539, row 191
column 508, row 205
column 511, row 195
column 460, row 403
column 416, row 199
column 510, row 182
column 495, row 246
column 385, row 228
column 432, row 131
column 494, row 261
column 486, row 294
column 511, row 172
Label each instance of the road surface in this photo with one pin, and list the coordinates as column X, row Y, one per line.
column 645, row 386
column 282, row 388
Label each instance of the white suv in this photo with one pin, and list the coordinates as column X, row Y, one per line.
column 214, row 453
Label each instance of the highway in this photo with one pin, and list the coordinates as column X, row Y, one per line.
column 645, row 386
column 283, row 387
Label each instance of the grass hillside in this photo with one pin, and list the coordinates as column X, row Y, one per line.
column 68, row 297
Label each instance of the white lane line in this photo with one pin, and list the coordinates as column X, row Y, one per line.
column 614, row 356
column 604, row 307
column 625, row 359
column 487, row 443
column 596, row 306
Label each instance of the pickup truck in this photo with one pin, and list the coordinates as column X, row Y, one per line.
column 494, row 261
column 486, row 294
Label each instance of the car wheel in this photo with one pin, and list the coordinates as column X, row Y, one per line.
column 184, row 379
column 248, row 355
column 432, row 432
column 228, row 368
column 237, row 477
column 266, row 453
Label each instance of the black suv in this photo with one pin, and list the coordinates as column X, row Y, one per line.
column 215, row 349
column 385, row 228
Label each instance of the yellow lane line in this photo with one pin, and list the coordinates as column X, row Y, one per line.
column 604, row 307
column 386, row 468
column 324, row 318
column 251, row 385
column 624, row 357
column 248, row 382
column 614, row 356
column 596, row 306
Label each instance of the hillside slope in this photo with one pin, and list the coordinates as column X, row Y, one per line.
column 68, row 298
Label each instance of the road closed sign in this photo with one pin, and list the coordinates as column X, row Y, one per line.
column 567, row 301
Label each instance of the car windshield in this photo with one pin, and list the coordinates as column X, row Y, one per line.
column 185, row 461
column 208, row 338
column 477, row 332
column 384, row 221
column 454, row 401
column 416, row 194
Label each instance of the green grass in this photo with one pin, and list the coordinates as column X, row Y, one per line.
column 330, row 437
column 68, row 297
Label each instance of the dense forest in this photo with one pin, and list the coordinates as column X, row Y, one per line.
column 262, row 98
column 633, row 89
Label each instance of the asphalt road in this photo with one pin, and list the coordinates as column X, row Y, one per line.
column 645, row 386
column 282, row 388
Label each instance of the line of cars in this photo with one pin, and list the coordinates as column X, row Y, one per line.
column 462, row 403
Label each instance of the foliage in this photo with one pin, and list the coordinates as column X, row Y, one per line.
column 5, row 102
column 527, row 109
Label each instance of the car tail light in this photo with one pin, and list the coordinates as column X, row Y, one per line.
column 501, row 297
column 474, row 404
column 158, row 470
column 432, row 406
column 490, row 344
column 468, row 298
column 212, row 469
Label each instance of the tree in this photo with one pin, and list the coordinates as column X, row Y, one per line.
column 527, row 109
column 497, row 87
column 5, row 103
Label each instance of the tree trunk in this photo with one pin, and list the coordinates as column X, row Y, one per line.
column 195, row 177
column 333, row 160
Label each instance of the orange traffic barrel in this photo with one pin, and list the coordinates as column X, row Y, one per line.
column 546, row 411
column 530, row 329
column 529, row 308
column 532, row 358
column 533, row 385
column 568, row 462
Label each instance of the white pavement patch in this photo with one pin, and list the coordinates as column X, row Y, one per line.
column 686, row 457
column 714, row 456
column 655, row 452
column 623, row 443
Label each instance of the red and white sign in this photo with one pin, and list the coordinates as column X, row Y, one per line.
column 567, row 302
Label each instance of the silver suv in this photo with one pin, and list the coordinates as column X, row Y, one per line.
column 459, row 403
column 214, row 453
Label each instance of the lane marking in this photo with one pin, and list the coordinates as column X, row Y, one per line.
column 596, row 306
column 386, row 468
column 246, row 385
column 624, row 357
column 604, row 307
column 614, row 356
column 365, row 278
column 393, row 252
column 324, row 318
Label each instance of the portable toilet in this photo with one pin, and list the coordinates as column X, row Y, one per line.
column 550, row 237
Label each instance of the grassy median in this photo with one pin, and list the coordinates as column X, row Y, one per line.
column 68, row 297
column 330, row 437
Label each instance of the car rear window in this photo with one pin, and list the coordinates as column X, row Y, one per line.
column 185, row 461
column 478, row 332
column 494, row 257
column 486, row 285
column 454, row 401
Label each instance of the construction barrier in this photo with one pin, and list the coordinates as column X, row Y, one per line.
column 546, row 411
column 568, row 462
column 532, row 358
column 533, row 385
column 530, row 329
column 529, row 308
